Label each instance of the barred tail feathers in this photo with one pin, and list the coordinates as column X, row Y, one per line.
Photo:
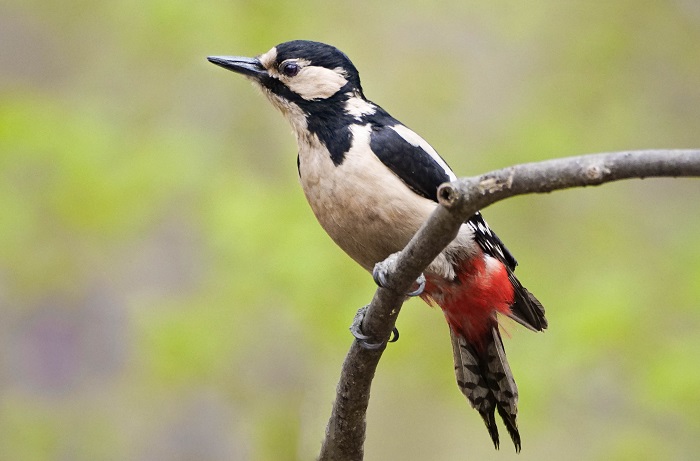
column 484, row 377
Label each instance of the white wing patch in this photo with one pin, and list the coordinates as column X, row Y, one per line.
column 412, row 138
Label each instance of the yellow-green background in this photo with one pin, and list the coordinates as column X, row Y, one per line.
column 166, row 294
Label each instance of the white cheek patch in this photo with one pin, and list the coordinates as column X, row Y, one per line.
column 315, row 82
column 412, row 138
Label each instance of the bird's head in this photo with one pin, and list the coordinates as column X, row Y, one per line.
column 300, row 77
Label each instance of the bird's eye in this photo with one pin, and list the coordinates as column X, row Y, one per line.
column 290, row 69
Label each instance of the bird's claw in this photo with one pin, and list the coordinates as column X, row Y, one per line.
column 394, row 335
column 379, row 274
column 421, row 286
column 362, row 339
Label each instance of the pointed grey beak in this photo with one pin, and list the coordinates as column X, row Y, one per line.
column 250, row 67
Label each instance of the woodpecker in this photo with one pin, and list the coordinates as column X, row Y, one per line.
column 371, row 182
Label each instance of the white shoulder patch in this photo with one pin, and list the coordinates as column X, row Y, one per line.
column 412, row 138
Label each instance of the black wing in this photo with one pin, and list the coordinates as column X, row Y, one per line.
column 526, row 309
column 419, row 169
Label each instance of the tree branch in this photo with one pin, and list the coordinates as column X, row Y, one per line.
column 345, row 433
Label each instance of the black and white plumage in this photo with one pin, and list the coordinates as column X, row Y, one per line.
column 371, row 182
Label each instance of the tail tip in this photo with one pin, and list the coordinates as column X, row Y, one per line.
column 509, row 420
column 490, row 422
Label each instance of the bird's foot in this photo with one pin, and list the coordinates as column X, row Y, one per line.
column 362, row 339
column 380, row 276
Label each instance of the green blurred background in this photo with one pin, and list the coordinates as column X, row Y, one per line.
column 166, row 293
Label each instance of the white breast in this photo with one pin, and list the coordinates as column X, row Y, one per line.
column 364, row 207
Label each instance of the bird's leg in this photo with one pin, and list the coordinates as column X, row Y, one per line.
column 362, row 339
column 381, row 272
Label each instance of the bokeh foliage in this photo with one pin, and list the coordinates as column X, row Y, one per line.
column 165, row 292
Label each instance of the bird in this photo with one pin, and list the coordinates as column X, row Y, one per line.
column 371, row 182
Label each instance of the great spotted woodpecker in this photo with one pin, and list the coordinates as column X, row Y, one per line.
column 372, row 182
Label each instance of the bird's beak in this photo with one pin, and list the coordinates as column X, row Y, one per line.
column 250, row 67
